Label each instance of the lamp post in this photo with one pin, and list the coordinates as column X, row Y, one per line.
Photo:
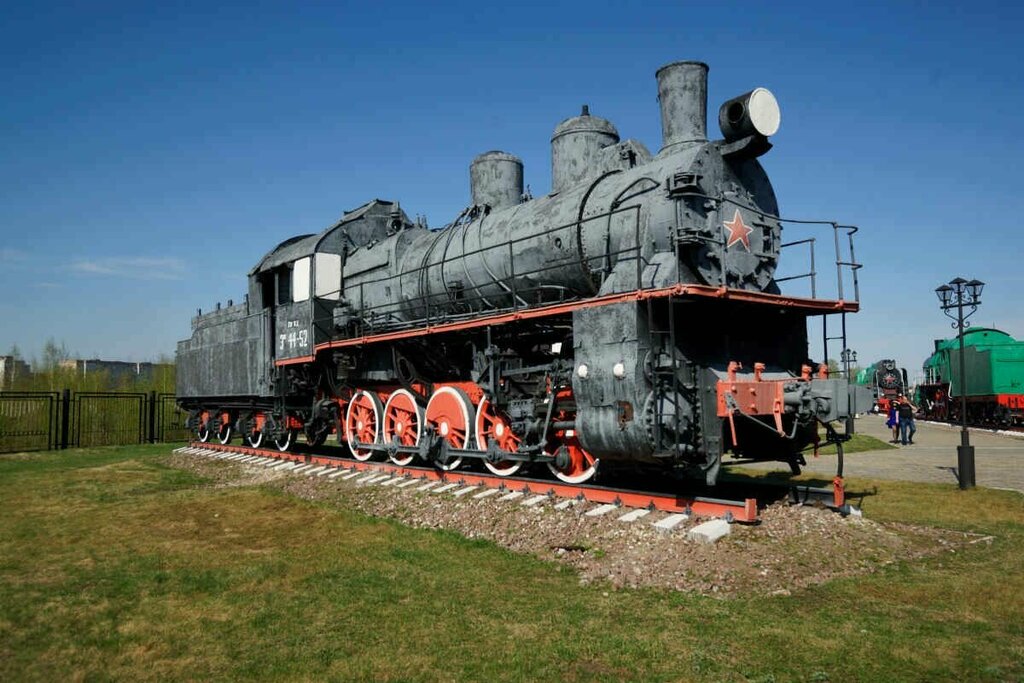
column 849, row 356
column 956, row 295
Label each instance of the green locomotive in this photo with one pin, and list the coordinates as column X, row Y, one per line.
column 993, row 381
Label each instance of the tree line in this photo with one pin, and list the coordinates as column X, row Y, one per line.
column 54, row 372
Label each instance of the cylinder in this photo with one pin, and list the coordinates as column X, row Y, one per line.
column 683, row 97
column 576, row 147
column 752, row 113
column 496, row 180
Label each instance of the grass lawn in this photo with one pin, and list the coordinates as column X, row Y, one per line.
column 115, row 566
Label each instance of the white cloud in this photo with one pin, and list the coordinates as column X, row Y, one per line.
column 135, row 268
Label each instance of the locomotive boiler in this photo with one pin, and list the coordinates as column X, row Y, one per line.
column 630, row 316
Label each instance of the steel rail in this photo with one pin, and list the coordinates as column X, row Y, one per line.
column 732, row 510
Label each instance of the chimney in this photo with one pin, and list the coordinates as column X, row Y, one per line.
column 683, row 96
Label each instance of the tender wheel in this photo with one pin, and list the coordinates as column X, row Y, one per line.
column 284, row 442
column 493, row 426
column 362, row 423
column 448, row 413
column 581, row 467
column 255, row 438
column 226, row 431
column 403, row 420
column 203, row 429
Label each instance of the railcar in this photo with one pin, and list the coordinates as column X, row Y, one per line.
column 993, row 382
column 630, row 316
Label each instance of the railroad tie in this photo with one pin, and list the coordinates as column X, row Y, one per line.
column 601, row 510
column 634, row 515
column 671, row 522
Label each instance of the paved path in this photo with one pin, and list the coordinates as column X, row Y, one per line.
column 999, row 459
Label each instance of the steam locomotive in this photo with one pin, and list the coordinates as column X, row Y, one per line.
column 992, row 388
column 886, row 381
column 630, row 316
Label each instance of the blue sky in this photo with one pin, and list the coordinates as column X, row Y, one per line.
column 151, row 153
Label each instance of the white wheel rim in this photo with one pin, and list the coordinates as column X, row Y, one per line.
column 377, row 410
column 224, row 436
column 257, row 440
column 504, row 471
column 579, row 478
column 286, row 444
column 403, row 459
column 481, row 442
column 463, row 403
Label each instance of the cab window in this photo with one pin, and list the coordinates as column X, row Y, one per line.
column 300, row 279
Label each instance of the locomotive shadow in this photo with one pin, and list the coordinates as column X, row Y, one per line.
column 773, row 487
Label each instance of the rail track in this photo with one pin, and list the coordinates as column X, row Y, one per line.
column 743, row 509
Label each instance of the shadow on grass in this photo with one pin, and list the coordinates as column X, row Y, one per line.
column 771, row 487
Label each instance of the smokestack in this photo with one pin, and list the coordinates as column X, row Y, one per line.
column 683, row 96
column 496, row 180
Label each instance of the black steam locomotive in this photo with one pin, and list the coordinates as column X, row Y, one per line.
column 631, row 315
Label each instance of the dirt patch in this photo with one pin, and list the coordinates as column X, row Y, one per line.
column 791, row 547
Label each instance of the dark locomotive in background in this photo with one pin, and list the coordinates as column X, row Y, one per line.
column 631, row 315
column 886, row 380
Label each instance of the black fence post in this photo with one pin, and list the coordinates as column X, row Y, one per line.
column 152, row 417
column 65, row 418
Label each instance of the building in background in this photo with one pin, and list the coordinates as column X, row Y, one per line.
column 116, row 370
column 12, row 369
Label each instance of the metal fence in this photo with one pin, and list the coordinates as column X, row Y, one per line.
column 39, row 421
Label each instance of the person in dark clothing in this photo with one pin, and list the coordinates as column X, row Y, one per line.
column 905, row 409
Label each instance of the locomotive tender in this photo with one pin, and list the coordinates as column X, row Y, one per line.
column 630, row 316
column 993, row 385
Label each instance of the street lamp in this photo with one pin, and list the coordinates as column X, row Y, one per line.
column 849, row 356
column 956, row 295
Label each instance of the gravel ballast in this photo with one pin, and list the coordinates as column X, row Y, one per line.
column 792, row 547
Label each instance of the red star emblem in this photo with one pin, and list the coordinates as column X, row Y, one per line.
column 738, row 231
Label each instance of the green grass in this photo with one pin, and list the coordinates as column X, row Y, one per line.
column 116, row 567
column 858, row 443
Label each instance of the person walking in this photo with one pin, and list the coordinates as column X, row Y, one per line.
column 905, row 412
column 893, row 422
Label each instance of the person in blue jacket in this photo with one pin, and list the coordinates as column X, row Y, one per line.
column 893, row 422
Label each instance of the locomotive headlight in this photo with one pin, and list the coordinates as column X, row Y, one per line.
column 582, row 371
column 619, row 369
column 752, row 113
